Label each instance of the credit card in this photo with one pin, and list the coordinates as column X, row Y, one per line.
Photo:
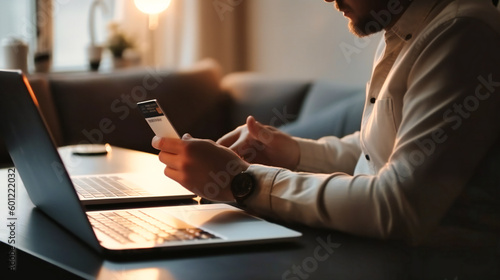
column 157, row 119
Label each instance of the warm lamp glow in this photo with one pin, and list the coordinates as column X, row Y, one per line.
column 152, row 8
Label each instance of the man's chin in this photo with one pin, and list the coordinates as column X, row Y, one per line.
column 362, row 30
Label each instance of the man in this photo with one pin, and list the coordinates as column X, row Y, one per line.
column 426, row 153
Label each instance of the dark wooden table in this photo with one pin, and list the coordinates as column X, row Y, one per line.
column 44, row 248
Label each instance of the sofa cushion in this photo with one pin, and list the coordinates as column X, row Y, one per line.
column 323, row 94
column 328, row 110
column 270, row 100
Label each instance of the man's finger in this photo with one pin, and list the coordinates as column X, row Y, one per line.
column 169, row 160
column 174, row 175
column 229, row 139
column 169, row 145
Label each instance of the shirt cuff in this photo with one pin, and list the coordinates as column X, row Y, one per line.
column 260, row 200
column 308, row 158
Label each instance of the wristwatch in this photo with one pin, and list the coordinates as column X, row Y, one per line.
column 242, row 186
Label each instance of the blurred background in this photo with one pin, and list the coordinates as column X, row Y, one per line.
column 289, row 38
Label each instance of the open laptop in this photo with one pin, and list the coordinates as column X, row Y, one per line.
column 112, row 231
column 106, row 189
column 103, row 189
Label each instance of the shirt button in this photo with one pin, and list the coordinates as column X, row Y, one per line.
column 372, row 100
column 408, row 37
column 367, row 157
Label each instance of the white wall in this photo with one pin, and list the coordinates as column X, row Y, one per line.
column 307, row 39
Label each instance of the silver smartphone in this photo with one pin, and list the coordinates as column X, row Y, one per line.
column 157, row 119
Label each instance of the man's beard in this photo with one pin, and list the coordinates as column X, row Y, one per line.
column 366, row 26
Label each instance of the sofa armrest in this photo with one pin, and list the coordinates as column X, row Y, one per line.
column 273, row 101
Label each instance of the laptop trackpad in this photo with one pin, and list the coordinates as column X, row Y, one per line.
column 222, row 217
column 217, row 218
column 204, row 216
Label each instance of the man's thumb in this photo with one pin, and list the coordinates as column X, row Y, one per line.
column 255, row 128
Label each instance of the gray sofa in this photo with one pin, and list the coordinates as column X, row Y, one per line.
column 309, row 109
column 100, row 107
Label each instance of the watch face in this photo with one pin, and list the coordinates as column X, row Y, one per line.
column 242, row 185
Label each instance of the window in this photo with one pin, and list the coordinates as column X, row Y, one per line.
column 72, row 31
column 60, row 28
column 18, row 22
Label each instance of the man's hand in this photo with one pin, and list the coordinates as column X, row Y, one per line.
column 201, row 166
column 257, row 143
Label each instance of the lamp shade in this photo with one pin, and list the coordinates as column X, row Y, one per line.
column 152, row 7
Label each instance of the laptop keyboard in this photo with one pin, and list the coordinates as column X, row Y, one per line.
column 138, row 226
column 106, row 186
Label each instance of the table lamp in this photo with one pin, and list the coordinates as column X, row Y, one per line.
column 152, row 8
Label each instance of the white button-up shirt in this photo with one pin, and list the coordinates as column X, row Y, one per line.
column 428, row 139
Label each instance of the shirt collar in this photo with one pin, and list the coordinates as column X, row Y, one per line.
column 412, row 18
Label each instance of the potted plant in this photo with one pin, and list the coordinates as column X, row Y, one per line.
column 117, row 43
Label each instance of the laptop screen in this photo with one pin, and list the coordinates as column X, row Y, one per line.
column 35, row 156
